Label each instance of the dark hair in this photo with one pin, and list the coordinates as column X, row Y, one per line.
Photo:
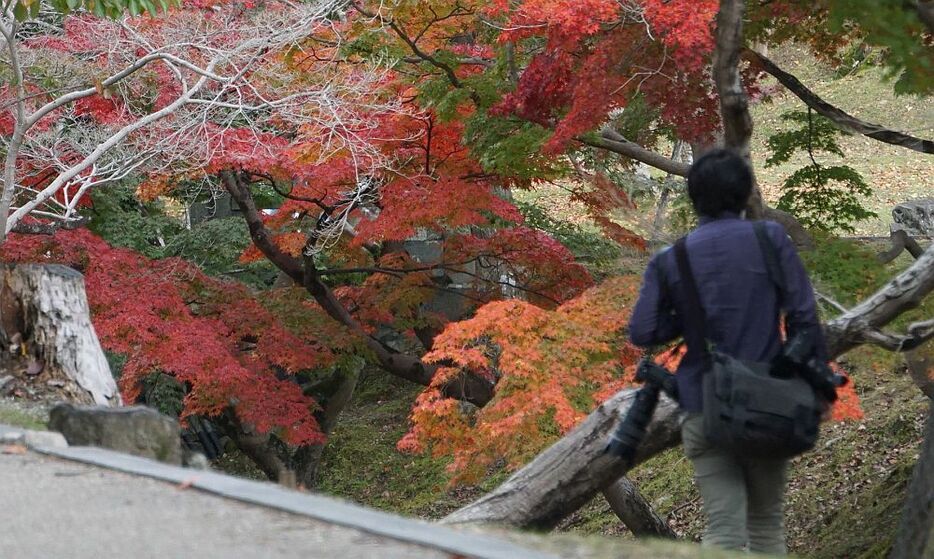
column 720, row 181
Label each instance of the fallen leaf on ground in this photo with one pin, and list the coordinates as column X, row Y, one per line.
column 185, row 484
column 35, row 367
column 13, row 449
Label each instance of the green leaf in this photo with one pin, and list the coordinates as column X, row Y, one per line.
column 20, row 12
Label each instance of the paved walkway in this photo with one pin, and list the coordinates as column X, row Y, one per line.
column 55, row 508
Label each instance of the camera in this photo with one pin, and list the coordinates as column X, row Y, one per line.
column 798, row 358
column 628, row 435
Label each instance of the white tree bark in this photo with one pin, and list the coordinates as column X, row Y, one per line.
column 45, row 307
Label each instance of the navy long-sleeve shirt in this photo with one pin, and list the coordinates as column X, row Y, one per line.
column 741, row 303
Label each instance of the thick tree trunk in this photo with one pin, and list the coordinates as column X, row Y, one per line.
column 257, row 447
column 921, row 368
column 862, row 323
column 44, row 314
column 568, row 474
column 635, row 512
column 734, row 104
column 306, row 460
column 915, row 538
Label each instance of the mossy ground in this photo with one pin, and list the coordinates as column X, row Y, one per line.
column 17, row 414
column 361, row 461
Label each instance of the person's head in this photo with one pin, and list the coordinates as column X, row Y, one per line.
column 720, row 181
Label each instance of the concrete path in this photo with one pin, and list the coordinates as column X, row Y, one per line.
column 50, row 508
column 77, row 502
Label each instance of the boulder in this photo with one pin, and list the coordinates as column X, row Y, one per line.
column 915, row 217
column 135, row 430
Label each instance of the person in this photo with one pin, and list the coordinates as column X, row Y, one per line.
column 742, row 497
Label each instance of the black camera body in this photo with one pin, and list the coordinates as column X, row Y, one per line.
column 625, row 440
column 799, row 358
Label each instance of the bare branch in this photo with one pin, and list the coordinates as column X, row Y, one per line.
column 612, row 140
column 838, row 116
column 900, row 241
column 918, row 333
column 862, row 322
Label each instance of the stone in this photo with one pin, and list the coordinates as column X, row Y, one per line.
column 136, row 430
column 32, row 439
column 916, row 217
column 4, row 381
column 12, row 437
column 195, row 460
column 44, row 439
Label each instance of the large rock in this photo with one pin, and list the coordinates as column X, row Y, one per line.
column 135, row 430
column 916, row 217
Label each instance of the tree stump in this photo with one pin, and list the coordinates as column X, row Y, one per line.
column 45, row 319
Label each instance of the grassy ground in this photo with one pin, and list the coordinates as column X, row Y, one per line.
column 896, row 174
column 361, row 461
column 19, row 414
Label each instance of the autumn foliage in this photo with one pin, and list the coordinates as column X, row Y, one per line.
column 550, row 367
column 375, row 123
column 213, row 336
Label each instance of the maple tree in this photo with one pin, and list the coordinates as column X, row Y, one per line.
column 97, row 100
column 156, row 312
column 374, row 122
column 261, row 99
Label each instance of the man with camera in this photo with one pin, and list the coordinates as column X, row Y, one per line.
column 724, row 288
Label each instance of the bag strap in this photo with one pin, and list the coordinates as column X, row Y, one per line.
column 773, row 265
column 695, row 319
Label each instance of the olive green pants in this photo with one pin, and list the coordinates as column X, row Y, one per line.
column 742, row 497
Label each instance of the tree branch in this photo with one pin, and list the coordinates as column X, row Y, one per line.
column 838, row 116
column 611, row 140
column 47, row 228
column 861, row 323
column 470, row 388
column 419, row 53
column 900, row 241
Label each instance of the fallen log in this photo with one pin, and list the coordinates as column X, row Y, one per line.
column 569, row 473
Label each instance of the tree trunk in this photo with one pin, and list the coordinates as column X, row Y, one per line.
column 306, row 459
column 901, row 240
column 257, row 447
column 799, row 235
column 861, row 323
column 635, row 512
column 915, row 538
column 734, row 104
column 44, row 315
column 568, row 474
